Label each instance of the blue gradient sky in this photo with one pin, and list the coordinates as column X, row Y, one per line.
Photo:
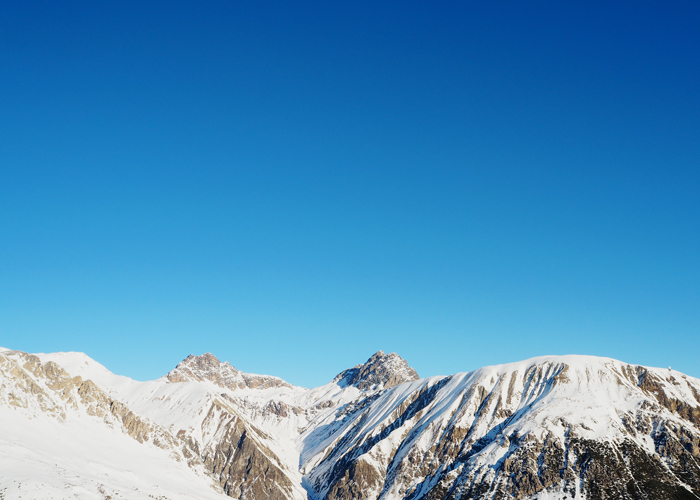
column 295, row 185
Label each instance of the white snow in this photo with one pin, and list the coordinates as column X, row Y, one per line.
column 550, row 394
column 44, row 458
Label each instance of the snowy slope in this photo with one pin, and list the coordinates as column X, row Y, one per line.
column 65, row 438
column 44, row 458
column 456, row 434
column 549, row 427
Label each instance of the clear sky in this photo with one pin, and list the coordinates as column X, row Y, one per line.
column 293, row 186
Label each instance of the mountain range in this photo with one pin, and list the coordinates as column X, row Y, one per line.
column 554, row 427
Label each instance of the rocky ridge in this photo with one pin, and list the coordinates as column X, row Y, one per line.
column 47, row 388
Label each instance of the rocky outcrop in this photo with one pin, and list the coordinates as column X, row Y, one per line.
column 244, row 467
column 359, row 481
column 385, row 370
column 208, row 367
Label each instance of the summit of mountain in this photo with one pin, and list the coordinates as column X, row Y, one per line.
column 384, row 370
column 207, row 367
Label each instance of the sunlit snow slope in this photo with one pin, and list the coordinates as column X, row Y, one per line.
column 553, row 427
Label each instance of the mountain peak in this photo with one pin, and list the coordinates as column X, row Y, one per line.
column 388, row 370
column 207, row 367
column 206, row 360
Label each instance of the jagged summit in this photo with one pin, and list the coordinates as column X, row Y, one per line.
column 207, row 367
column 202, row 362
column 387, row 370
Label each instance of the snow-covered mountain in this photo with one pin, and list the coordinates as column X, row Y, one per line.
column 553, row 427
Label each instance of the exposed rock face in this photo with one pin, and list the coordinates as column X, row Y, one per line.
column 242, row 464
column 385, row 370
column 208, row 367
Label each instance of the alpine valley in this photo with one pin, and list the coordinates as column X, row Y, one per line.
column 556, row 427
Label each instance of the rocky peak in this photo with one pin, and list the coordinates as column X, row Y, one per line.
column 207, row 367
column 383, row 369
column 206, row 361
column 200, row 368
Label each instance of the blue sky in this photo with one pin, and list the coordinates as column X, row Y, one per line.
column 293, row 186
